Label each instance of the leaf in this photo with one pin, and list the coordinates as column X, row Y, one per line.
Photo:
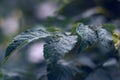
column 92, row 34
column 105, row 38
column 73, row 30
column 99, row 74
column 109, row 27
column 53, row 29
column 63, row 70
column 56, row 46
column 87, row 34
column 85, row 61
column 26, row 37
column 116, row 39
column 110, row 62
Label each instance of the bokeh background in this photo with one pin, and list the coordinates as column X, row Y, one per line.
column 17, row 16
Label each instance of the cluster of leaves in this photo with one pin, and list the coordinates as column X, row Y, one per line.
column 85, row 53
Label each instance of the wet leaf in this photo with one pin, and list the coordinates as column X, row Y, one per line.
column 105, row 38
column 25, row 38
column 58, row 45
column 87, row 34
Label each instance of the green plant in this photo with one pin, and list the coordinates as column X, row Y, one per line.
column 86, row 53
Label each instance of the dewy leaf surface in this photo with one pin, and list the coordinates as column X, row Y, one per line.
column 105, row 38
column 26, row 37
column 58, row 45
column 96, row 34
column 87, row 34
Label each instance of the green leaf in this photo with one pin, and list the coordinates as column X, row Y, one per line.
column 26, row 37
column 109, row 27
column 63, row 70
column 73, row 30
column 95, row 34
column 53, row 29
column 105, row 38
column 57, row 45
column 87, row 34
